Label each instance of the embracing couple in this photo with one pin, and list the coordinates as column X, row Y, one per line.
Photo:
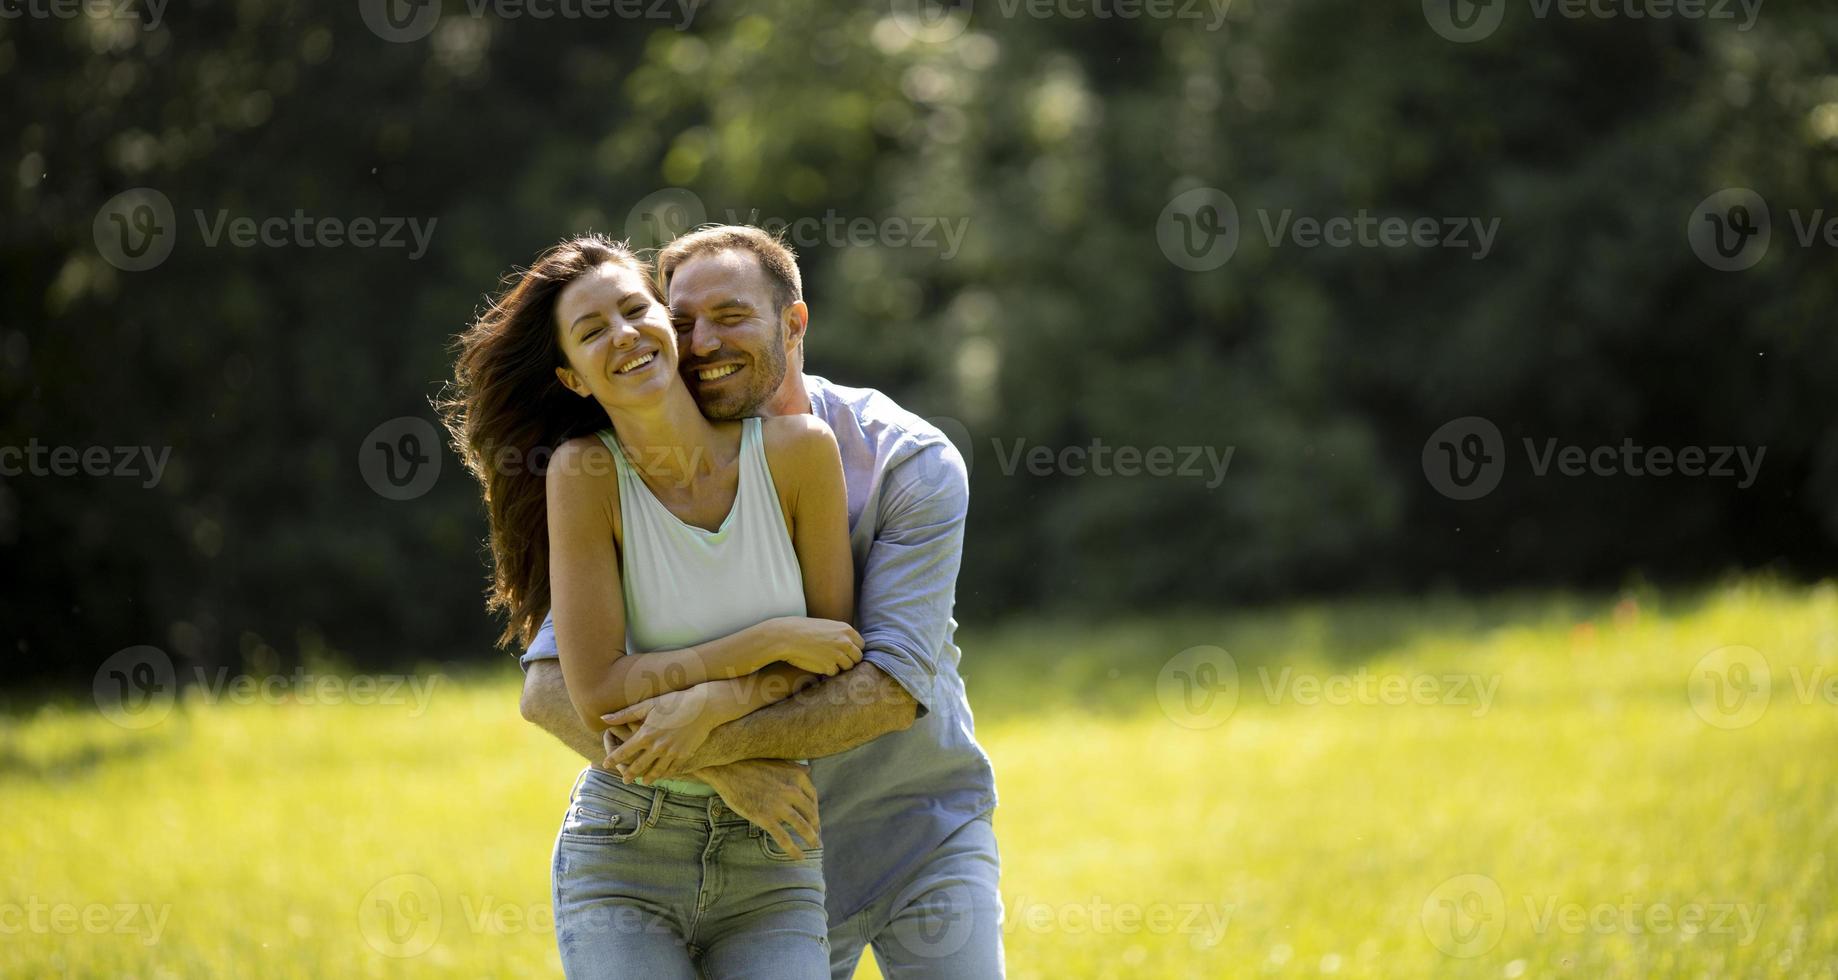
column 734, row 582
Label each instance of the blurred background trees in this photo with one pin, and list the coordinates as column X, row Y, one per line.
column 1058, row 320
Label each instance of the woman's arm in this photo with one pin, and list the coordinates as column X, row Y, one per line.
column 589, row 604
column 807, row 471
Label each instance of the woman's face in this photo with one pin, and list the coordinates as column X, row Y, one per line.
column 615, row 337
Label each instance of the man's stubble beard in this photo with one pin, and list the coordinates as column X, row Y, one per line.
column 767, row 376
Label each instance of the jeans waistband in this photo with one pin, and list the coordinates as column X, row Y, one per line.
column 655, row 801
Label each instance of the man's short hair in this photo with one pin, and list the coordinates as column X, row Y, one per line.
column 774, row 257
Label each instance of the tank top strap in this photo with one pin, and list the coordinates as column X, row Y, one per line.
column 759, row 497
column 621, row 465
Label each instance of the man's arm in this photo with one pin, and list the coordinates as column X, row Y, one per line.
column 831, row 716
column 546, row 705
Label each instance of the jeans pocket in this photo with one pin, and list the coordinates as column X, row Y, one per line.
column 591, row 820
column 773, row 851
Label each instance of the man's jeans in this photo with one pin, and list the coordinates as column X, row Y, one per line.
column 662, row 886
column 944, row 923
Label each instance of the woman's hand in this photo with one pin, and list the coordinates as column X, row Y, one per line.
column 671, row 727
column 821, row 646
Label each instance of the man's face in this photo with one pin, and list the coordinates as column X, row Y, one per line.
column 731, row 333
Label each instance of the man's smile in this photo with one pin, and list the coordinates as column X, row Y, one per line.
column 716, row 372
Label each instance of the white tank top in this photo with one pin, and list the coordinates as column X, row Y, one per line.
column 685, row 585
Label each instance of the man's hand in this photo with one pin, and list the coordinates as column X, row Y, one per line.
column 773, row 795
column 670, row 728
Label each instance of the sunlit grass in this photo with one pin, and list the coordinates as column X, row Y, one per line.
column 1288, row 839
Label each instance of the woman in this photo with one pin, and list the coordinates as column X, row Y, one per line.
column 701, row 567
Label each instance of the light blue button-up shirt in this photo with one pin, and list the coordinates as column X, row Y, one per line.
column 888, row 803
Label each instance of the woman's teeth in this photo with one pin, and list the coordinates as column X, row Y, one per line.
column 636, row 364
column 717, row 373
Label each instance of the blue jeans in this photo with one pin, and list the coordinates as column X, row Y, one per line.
column 662, row 886
column 944, row 923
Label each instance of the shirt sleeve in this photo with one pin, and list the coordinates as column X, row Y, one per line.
column 543, row 647
column 909, row 583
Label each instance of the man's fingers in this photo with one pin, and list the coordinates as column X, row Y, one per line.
column 628, row 753
column 806, row 808
column 777, row 832
column 641, row 766
column 802, row 827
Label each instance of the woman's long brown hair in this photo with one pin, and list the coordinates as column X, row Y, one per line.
column 507, row 412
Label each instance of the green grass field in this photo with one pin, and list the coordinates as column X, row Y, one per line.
column 1540, row 786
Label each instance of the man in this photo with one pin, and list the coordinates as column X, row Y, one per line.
column 906, row 794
